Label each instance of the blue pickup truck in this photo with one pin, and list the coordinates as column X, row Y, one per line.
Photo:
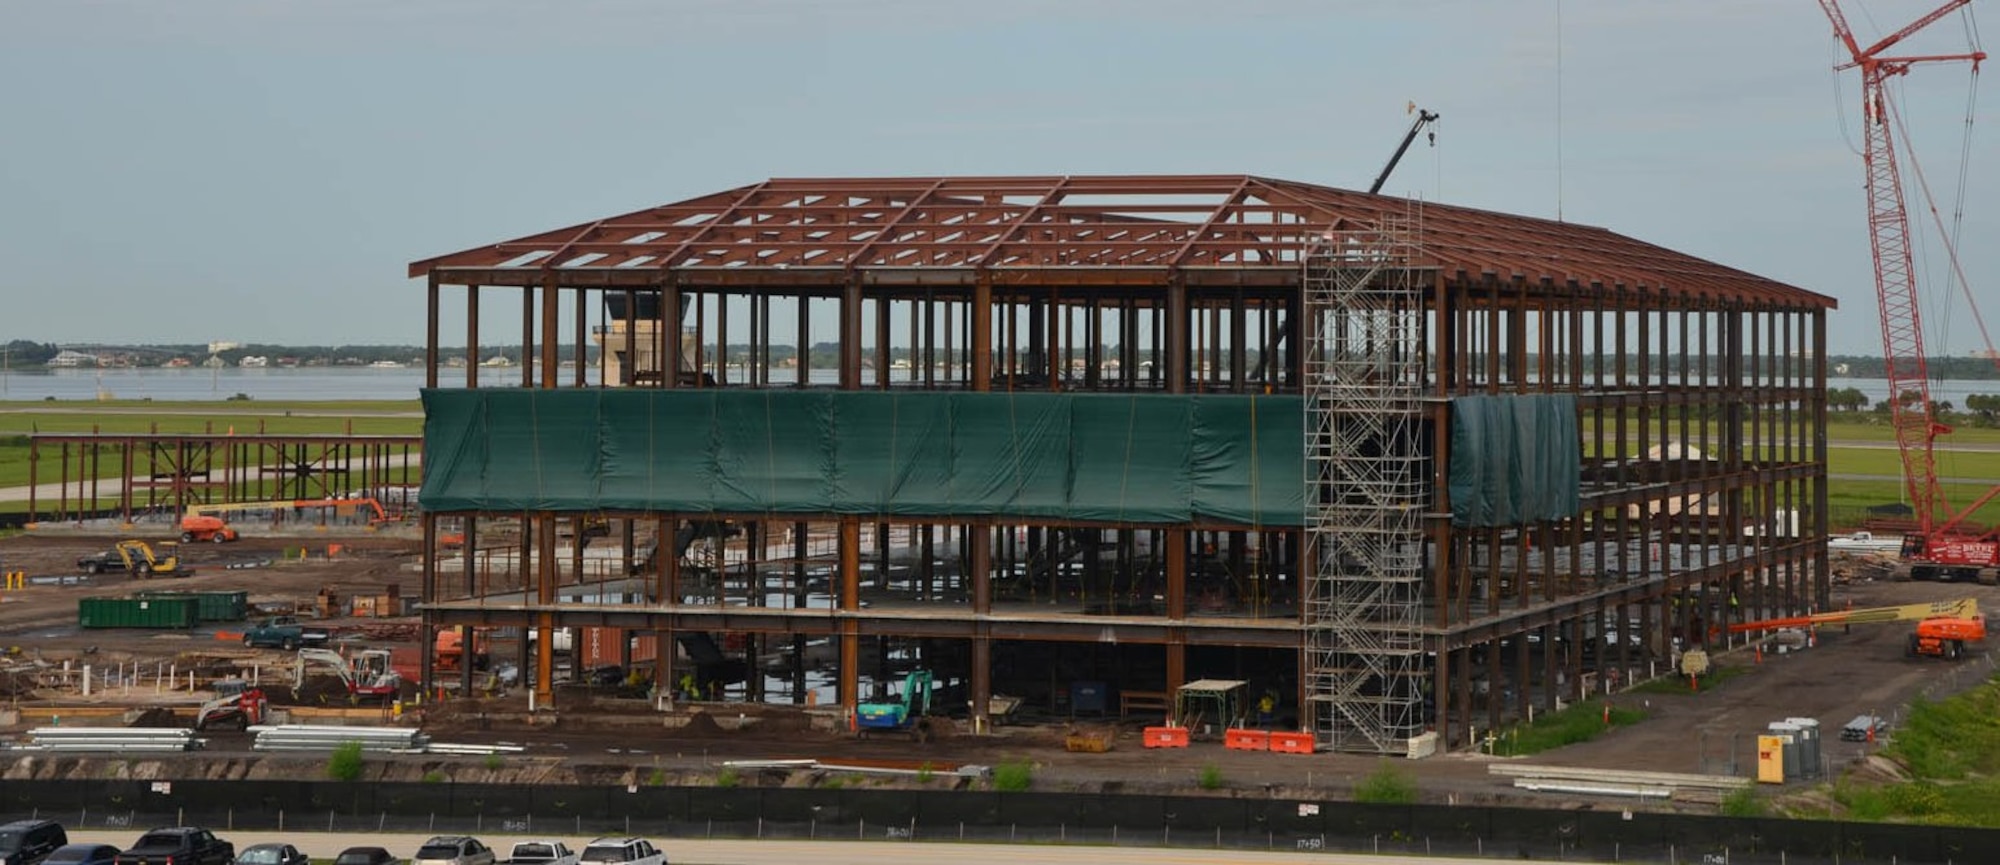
column 284, row 632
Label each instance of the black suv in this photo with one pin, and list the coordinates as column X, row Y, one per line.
column 28, row 842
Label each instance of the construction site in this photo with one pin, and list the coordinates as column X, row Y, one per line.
column 1232, row 449
column 1109, row 470
column 1410, row 471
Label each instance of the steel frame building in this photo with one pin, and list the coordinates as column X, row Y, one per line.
column 127, row 475
column 1698, row 395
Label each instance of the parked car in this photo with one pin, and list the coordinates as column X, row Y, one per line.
column 623, row 851
column 541, row 852
column 28, row 842
column 179, row 845
column 83, row 854
column 272, row 854
column 365, row 856
column 453, row 850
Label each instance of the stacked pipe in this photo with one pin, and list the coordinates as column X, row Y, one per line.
column 120, row 739
column 311, row 737
column 475, row 750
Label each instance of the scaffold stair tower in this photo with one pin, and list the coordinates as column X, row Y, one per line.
column 1367, row 485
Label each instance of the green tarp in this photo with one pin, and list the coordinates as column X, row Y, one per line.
column 1514, row 459
column 1149, row 458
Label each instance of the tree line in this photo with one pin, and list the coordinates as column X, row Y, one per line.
column 1978, row 409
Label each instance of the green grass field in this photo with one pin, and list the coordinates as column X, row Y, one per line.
column 20, row 419
column 1952, row 751
column 400, row 417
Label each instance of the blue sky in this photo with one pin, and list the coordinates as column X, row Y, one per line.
column 264, row 170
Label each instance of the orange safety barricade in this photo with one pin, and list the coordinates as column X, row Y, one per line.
column 1247, row 740
column 1166, row 737
column 1292, row 743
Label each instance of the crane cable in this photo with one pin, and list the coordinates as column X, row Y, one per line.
column 1951, row 249
column 1964, row 167
column 1935, row 320
column 1839, row 101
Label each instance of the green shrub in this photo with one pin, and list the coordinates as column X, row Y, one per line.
column 926, row 772
column 1387, row 785
column 1743, row 802
column 1013, row 776
column 1580, row 722
column 345, row 762
column 433, row 777
column 658, row 778
column 494, row 762
column 728, row 777
column 1211, row 777
column 1917, row 798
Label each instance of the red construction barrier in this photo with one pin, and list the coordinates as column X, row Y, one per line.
column 1247, row 740
column 1166, row 737
column 1292, row 743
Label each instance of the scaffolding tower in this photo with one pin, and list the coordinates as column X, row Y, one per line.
column 1367, row 485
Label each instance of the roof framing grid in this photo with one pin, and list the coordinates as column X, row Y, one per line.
column 1056, row 230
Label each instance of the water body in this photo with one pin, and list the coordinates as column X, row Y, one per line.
column 1951, row 390
column 258, row 383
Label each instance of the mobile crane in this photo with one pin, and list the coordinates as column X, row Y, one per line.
column 1943, row 627
column 1940, row 548
column 1424, row 118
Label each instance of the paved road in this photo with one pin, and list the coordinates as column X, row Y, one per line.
column 1947, row 445
column 323, row 845
column 1942, row 478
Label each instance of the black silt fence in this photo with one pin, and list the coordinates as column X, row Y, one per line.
column 931, row 815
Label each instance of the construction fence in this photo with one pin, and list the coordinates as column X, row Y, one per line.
column 1241, row 822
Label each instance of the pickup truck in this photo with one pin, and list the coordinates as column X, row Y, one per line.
column 283, row 632
column 541, row 852
column 182, row 845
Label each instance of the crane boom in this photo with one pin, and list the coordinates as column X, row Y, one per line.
column 1876, row 49
column 1912, row 414
column 1423, row 118
column 1963, row 608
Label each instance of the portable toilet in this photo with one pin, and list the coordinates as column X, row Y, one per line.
column 1790, row 733
column 1809, row 742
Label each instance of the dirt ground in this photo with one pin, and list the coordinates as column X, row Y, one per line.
column 42, row 618
column 601, row 740
column 1858, row 670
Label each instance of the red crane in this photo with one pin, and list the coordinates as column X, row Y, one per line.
column 1938, row 550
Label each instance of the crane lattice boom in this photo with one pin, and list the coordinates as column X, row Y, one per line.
column 1913, row 416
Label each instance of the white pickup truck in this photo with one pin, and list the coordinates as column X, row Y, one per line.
column 541, row 853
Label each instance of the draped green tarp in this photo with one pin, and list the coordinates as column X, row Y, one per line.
column 1514, row 459
column 1148, row 458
